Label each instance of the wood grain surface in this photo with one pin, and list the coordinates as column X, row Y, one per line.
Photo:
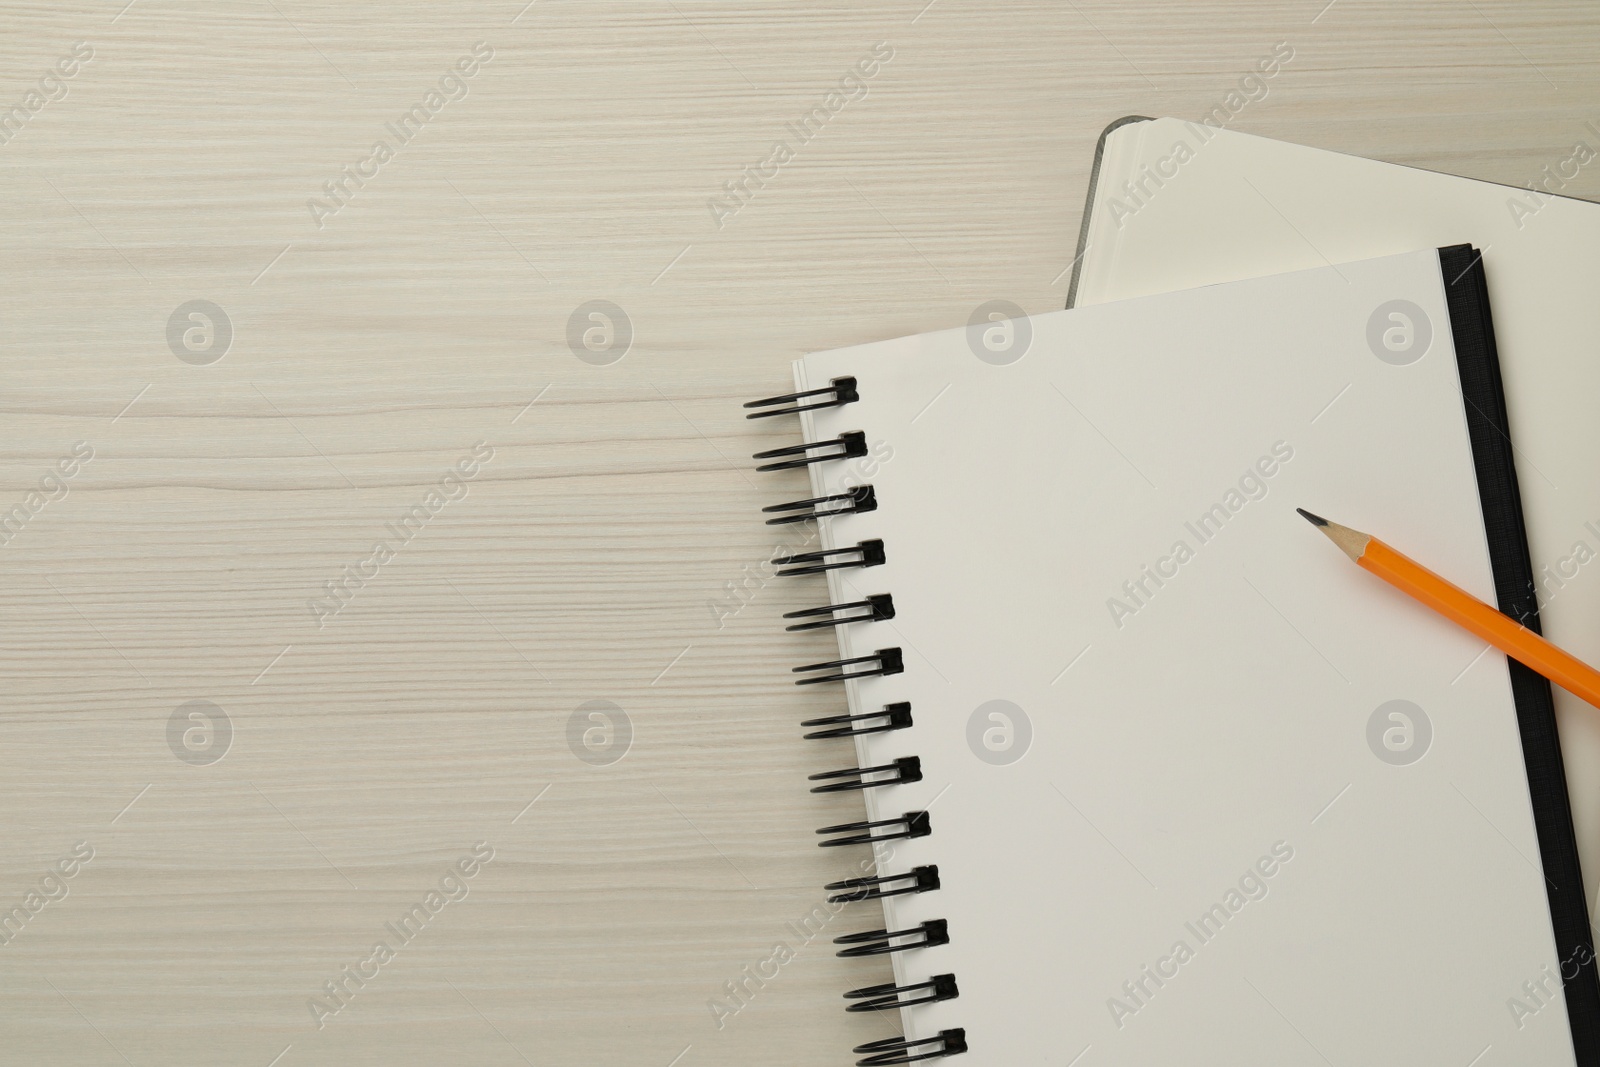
column 375, row 338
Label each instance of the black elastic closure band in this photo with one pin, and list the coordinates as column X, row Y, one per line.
column 893, row 717
column 894, row 1050
column 905, row 769
column 865, row 553
column 849, row 445
column 876, row 608
column 843, row 390
column 911, row 824
column 888, row 660
column 891, row 996
column 860, row 499
column 1491, row 433
column 918, row 880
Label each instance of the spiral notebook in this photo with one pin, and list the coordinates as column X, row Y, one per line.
column 1150, row 775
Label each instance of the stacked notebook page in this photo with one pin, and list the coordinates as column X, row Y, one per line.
column 1176, row 205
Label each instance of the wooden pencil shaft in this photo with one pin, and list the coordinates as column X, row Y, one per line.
column 1495, row 627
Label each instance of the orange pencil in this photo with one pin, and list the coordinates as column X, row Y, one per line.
column 1463, row 609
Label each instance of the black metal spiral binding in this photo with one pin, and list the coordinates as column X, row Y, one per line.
column 888, row 660
column 843, row 390
column 905, row 769
column 882, row 942
column 894, row 717
column 862, row 498
column 919, row 879
column 894, row 1050
column 849, row 445
column 875, row 608
column 867, row 553
column 891, row 996
column 911, row 824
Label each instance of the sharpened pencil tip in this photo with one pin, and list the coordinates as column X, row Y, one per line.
column 1315, row 520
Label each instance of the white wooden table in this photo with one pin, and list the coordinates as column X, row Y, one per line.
column 359, row 340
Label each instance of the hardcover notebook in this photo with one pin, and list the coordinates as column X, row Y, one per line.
column 1240, row 206
column 1150, row 775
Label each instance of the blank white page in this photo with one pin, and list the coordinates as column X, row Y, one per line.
column 1244, row 206
column 1218, row 728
